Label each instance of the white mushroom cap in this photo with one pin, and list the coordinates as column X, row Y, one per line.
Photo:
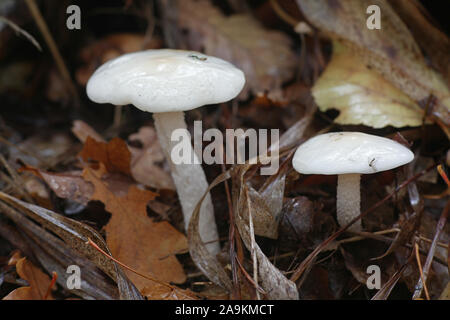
column 349, row 152
column 165, row 80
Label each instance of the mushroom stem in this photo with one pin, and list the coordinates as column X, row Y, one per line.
column 348, row 200
column 189, row 179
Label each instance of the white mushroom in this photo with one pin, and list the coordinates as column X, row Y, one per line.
column 167, row 82
column 349, row 154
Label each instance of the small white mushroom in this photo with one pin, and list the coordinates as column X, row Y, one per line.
column 167, row 82
column 349, row 154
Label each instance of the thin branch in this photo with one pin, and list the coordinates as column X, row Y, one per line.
column 21, row 31
column 42, row 25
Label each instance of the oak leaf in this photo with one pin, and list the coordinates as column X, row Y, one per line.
column 38, row 282
column 133, row 237
column 114, row 155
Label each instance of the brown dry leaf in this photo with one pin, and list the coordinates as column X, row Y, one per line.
column 110, row 47
column 432, row 40
column 361, row 95
column 144, row 161
column 67, row 185
column 38, row 282
column 41, row 150
column 134, row 238
column 273, row 281
column 265, row 56
column 114, row 155
column 264, row 222
column 392, row 51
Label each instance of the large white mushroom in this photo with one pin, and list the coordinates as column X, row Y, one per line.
column 349, row 154
column 167, row 82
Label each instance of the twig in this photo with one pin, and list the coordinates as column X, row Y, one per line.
column 422, row 278
column 443, row 175
column 385, row 291
column 253, row 243
column 369, row 235
column 52, row 284
column 42, row 25
column 21, row 31
column 283, row 14
column 440, row 226
column 15, row 180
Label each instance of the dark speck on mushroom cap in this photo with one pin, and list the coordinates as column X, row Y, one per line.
column 349, row 152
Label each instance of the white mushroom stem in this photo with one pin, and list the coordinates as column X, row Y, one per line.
column 189, row 179
column 348, row 204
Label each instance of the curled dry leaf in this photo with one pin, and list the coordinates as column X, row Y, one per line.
column 204, row 260
column 392, row 52
column 144, row 160
column 67, row 185
column 361, row 95
column 275, row 284
column 38, row 281
column 134, row 238
column 55, row 256
column 265, row 56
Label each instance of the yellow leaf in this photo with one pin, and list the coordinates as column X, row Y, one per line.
column 362, row 95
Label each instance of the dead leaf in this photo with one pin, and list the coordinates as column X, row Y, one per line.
column 265, row 56
column 204, row 260
column 361, row 95
column 38, row 282
column 114, row 155
column 432, row 40
column 392, row 51
column 67, row 185
column 144, row 161
column 133, row 237
column 264, row 222
column 276, row 285
column 160, row 292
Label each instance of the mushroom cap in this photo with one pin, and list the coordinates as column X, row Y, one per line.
column 165, row 80
column 349, row 152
